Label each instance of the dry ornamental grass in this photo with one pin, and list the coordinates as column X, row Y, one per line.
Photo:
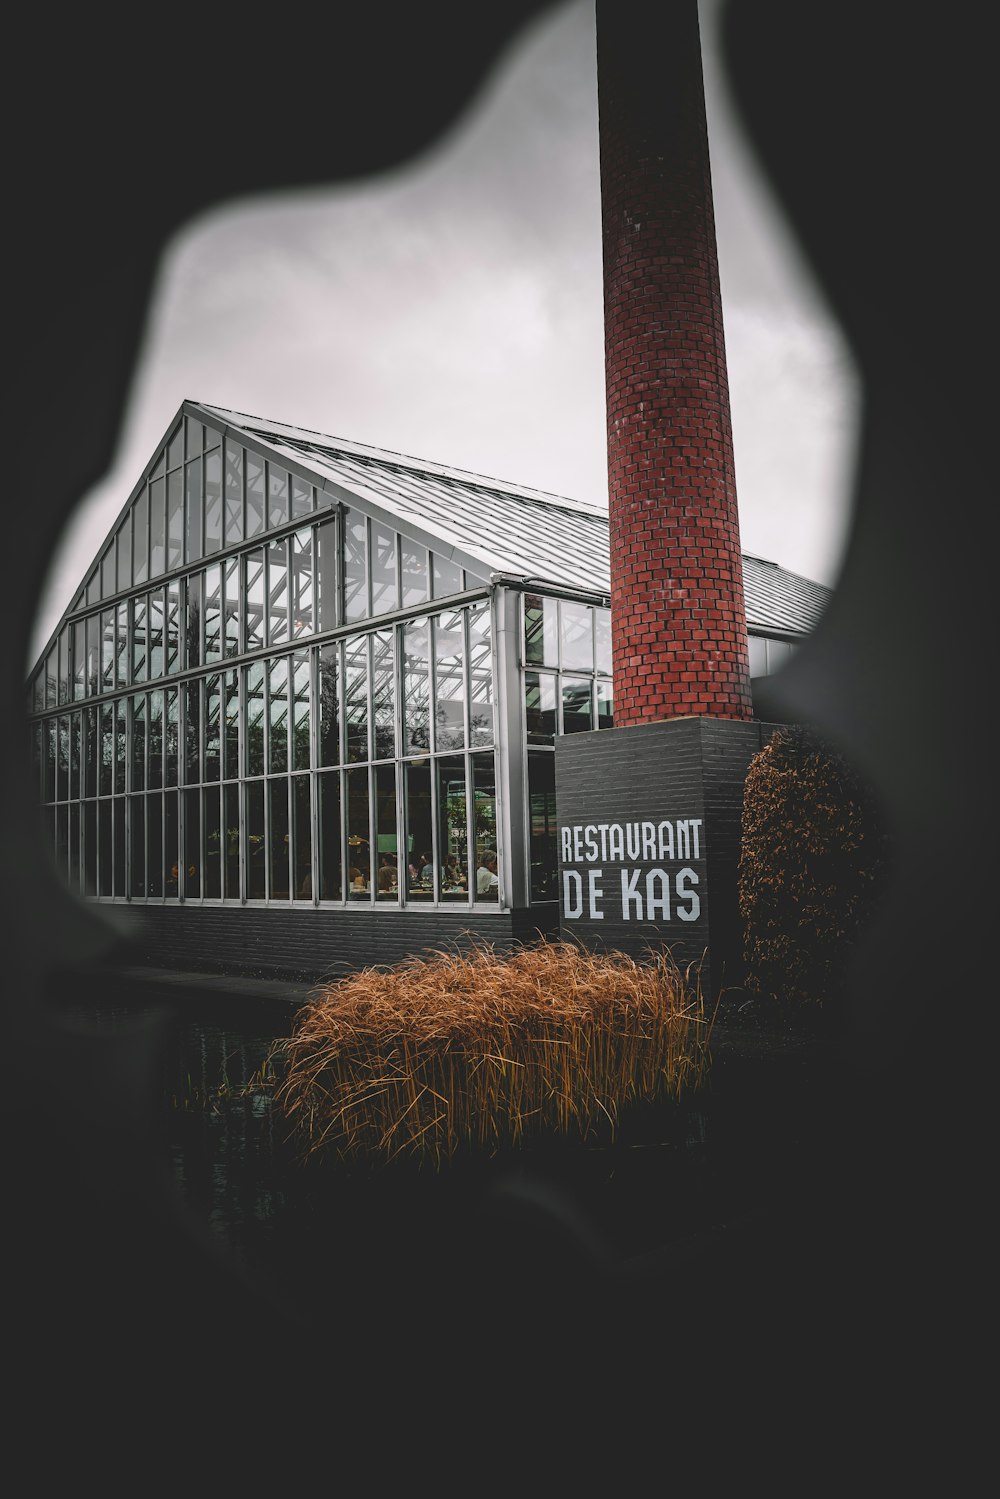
column 470, row 1050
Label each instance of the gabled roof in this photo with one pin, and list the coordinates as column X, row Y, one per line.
column 505, row 528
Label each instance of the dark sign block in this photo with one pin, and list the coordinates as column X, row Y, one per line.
column 649, row 825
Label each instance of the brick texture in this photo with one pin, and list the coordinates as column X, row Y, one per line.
column 679, row 634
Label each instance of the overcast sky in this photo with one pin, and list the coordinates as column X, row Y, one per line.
column 453, row 311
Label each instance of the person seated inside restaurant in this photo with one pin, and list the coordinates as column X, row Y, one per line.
column 358, row 881
column 454, row 874
column 487, row 880
column 387, row 875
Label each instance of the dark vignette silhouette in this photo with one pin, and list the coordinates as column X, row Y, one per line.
column 871, row 123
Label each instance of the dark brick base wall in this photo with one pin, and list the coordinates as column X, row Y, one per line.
column 308, row 943
column 679, row 771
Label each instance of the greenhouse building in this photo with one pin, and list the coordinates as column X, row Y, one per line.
column 300, row 715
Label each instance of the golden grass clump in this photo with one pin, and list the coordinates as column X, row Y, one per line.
column 459, row 1050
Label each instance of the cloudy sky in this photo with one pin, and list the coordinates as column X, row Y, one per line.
column 453, row 311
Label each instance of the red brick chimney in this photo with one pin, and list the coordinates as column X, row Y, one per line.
column 679, row 634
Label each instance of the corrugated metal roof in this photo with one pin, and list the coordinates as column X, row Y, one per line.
column 507, row 528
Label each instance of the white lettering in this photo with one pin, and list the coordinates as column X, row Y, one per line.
column 572, row 907
column 577, row 855
column 616, row 842
column 590, row 843
column 567, row 844
column 630, row 879
column 602, row 828
column 695, row 825
column 632, row 839
column 657, row 900
column 648, row 842
column 684, row 877
column 666, row 840
column 683, row 841
column 594, row 893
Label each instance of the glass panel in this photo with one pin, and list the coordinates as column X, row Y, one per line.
column 107, row 775
column 481, row 725
column 541, row 641
column 330, row 861
column 104, row 849
column 140, row 536
column 108, row 572
column 139, row 743
column 326, row 575
column 62, row 670
column 277, row 587
column 95, row 649
column 154, row 844
column 539, row 707
column 255, row 493
column 387, row 844
column 51, row 757
column 356, row 696
column 542, row 835
column 231, row 607
column 300, row 711
column 413, row 573
column 94, row 586
column 171, row 736
column 234, row 492
column 419, row 832
column 75, row 753
column 605, row 705
column 254, row 680
column 758, row 656
column 254, row 595
column 602, row 639
column 194, row 437
column 446, row 575
column 175, row 519
column 79, row 663
column 38, row 690
column 385, row 593
column 213, row 728
column 576, row 629
column 302, row 836
column 449, row 680
column 109, row 642
column 173, row 625
column 277, row 694
column 137, row 852
column 193, row 509
column 154, row 622
column 212, row 821
column 213, row 613
column 231, row 743
column 52, row 676
column 191, row 868
column 90, row 848
column 140, row 640
column 302, row 497
column 302, row 583
column 453, row 823
column 62, row 758
column 277, row 495
column 576, row 706
column 121, row 745
column 416, row 685
column 231, row 868
column 120, row 863
column 383, row 695
column 159, row 466
column 124, row 573
column 91, row 752
column 278, row 838
column 355, row 566
column 253, row 849
column 154, row 747
column 171, row 868
column 358, row 836
column 329, row 708
column 213, row 501
column 157, row 528
column 192, row 726
column 195, row 588
column 121, row 644
column 212, row 438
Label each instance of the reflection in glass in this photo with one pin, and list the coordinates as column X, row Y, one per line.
column 278, row 716
column 541, row 641
column 254, row 596
column 413, row 573
column 326, row 575
column 384, row 586
column 278, row 838
column 302, row 583
column 140, row 536
column 173, row 625
column 138, row 743
column 157, row 527
column 300, row 694
column 231, row 607
column 542, row 834
column 234, row 492
column 121, row 745
column 155, row 632
column 171, row 736
column 277, row 495
column 192, row 726
column 446, row 575
column 539, row 707
column 302, row 493
column 416, row 685
column 124, row 550
column 484, row 827
column 254, row 680
column 576, row 705
column 175, row 520
column 154, row 747
column 213, row 613
column 193, row 510
column 213, row 501
column 277, row 592
column 254, row 493
column 577, row 636
column 605, row 705
column 449, row 681
column 213, row 728
column 194, row 589
column 231, row 742
column 108, row 572
column 329, row 712
column 602, row 639
column 356, row 696
column 481, row 725
column 383, row 695
column 253, row 843
column 355, row 566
